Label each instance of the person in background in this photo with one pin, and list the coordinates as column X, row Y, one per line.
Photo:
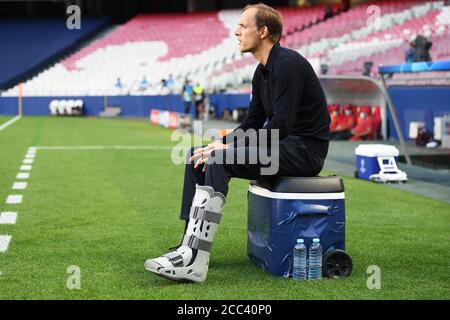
column 187, row 94
column 364, row 125
column 170, row 83
column 345, row 124
column 335, row 116
column 423, row 136
column 143, row 85
column 422, row 48
column 119, row 84
column 199, row 97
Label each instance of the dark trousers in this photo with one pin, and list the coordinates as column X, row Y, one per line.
column 294, row 160
column 187, row 107
column 341, row 135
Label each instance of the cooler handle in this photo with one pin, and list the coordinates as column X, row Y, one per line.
column 313, row 209
column 308, row 210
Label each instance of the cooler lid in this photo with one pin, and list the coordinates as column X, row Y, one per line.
column 376, row 150
column 330, row 184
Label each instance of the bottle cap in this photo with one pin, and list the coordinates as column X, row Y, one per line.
column 300, row 241
column 316, row 240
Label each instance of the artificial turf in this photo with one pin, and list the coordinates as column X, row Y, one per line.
column 108, row 210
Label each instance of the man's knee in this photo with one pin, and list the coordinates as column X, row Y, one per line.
column 216, row 169
column 219, row 156
column 216, row 161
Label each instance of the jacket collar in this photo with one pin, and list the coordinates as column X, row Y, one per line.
column 272, row 57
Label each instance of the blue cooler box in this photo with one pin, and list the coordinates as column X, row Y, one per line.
column 367, row 158
column 282, row 209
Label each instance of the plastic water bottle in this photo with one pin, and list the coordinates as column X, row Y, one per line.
column 300, row 260
column 315, row 260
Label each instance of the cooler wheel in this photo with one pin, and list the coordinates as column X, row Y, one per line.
column 337, row 264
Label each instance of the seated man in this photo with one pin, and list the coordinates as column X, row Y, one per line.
column 288, row 105
column 364, row 126
column 335, row 119
column 345, row 124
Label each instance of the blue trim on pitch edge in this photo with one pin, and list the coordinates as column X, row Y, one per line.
column 132, row 106
column 416, row 67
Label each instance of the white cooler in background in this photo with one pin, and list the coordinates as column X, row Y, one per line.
column 446, row 131
column 377, row 162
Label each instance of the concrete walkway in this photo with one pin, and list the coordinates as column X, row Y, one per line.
column 424, row 181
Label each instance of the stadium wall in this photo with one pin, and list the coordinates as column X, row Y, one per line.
column 131, row 106
column 418, row 103
column 412, row 104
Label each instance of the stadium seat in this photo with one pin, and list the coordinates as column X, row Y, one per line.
column 345, row 41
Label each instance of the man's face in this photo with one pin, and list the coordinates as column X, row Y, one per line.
column 247, row 32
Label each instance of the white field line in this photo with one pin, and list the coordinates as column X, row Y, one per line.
column 8, row 217
column 105, row 147
column 14, row 199
column 19, row 185
column 23, row 175
column 9, row 122
column 4, row 242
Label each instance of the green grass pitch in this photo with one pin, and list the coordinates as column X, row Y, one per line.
column 107, row 210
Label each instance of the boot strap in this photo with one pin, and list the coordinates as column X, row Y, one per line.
column 195, row 243
column 203, row 214
column 175, row 258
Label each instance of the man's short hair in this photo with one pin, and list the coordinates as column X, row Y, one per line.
column 269, row 17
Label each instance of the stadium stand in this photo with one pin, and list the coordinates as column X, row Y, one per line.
column 26, row 53
column 135, row 49
column 388, row 47
column 150, row 46
column 347, row 36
